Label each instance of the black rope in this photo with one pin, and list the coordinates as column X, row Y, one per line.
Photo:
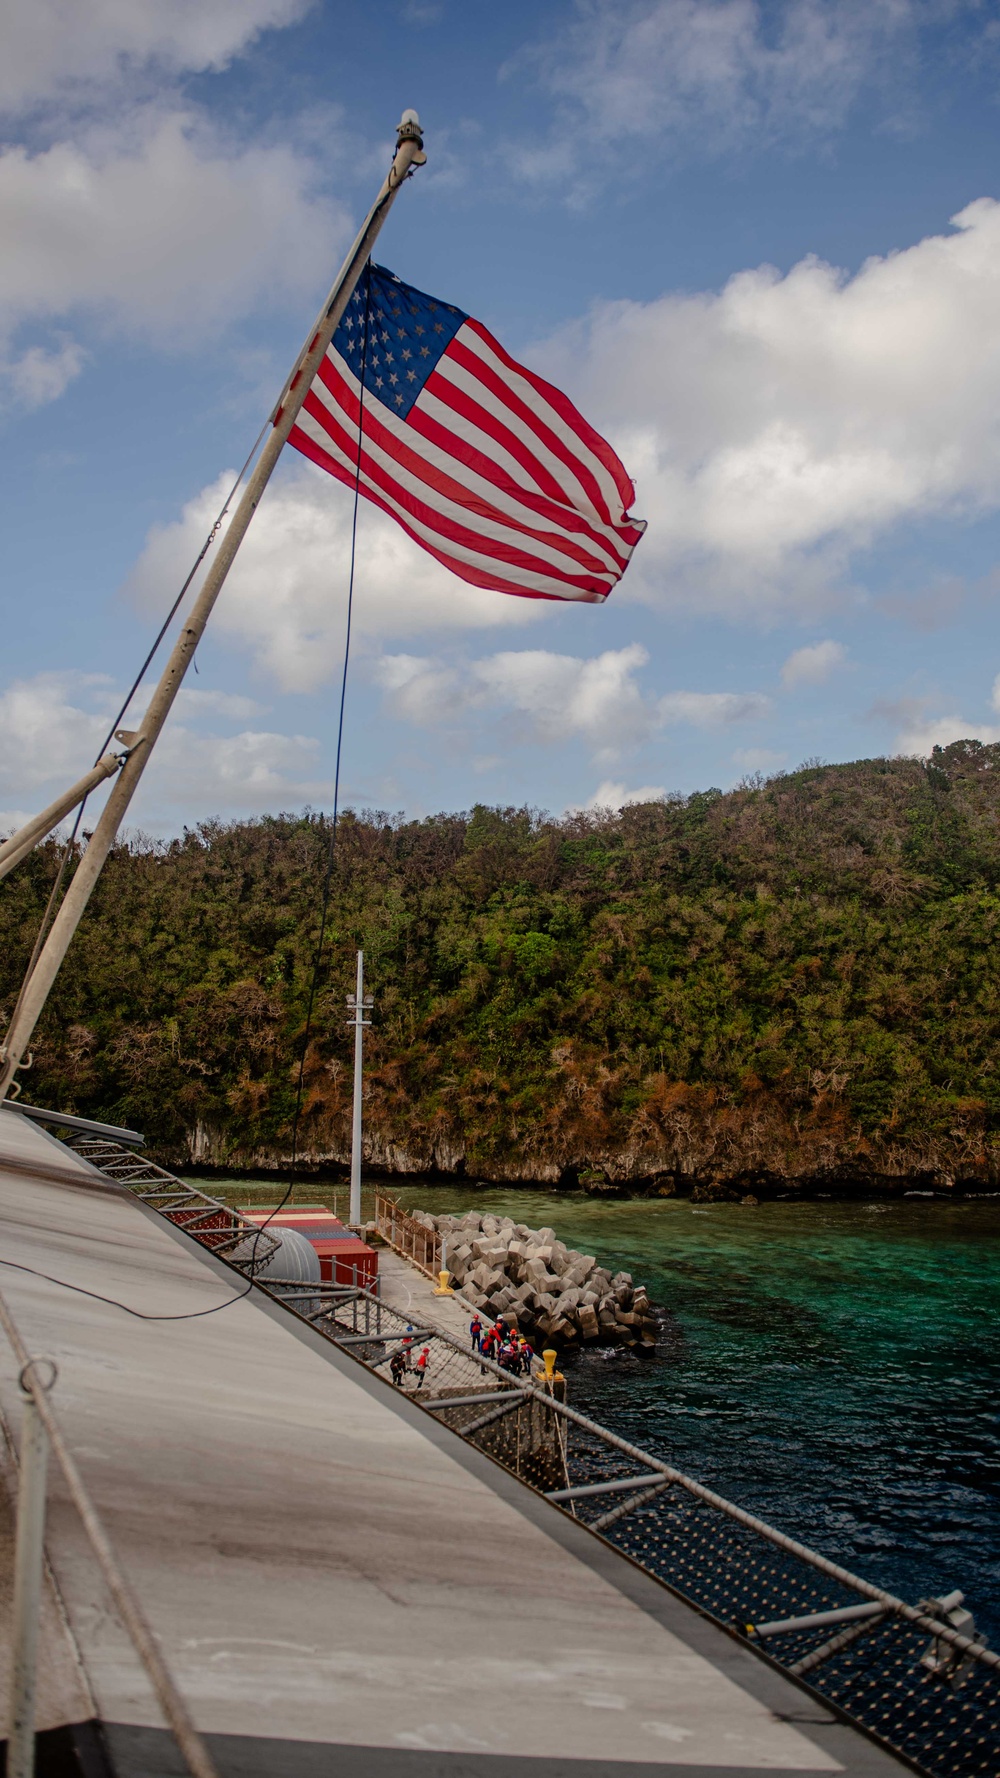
column 191, row 1315
column 332, row 846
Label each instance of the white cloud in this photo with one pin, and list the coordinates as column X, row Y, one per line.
column 207, row 774
column 39, row 374
column 780, row 425
column 554, row 698
column 133, row 211
column 813, row 665
column 565, row 696
column 51, row 727
column 50, row 45
column 613, row 795
column 707, row 75
column 758, row 759
column 917, row 730
column 13, row 819
column 562, row 697
column 709, row 709
column 286, row 595
column 161, row 223
column 939, row 731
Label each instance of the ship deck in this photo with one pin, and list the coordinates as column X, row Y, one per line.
column 338, row 1583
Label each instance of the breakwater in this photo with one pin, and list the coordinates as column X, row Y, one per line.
column 535, row 1281
column 834, row 1367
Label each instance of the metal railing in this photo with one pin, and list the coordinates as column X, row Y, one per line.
column 62, row 1120
column 917, row 1678
column 405, row 1235
column 216, row 1225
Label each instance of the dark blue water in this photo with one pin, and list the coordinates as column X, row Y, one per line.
column 833, row 1367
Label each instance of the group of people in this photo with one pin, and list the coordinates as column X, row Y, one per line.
column 403, row 1362
column 499, row 1341
column 507, row 1348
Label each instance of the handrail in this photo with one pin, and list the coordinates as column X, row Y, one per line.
column 404, row 1234
column 966, row 1645
column 196, row 1755
column 63, row 1121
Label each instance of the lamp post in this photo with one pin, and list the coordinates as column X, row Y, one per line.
column 359, row 1006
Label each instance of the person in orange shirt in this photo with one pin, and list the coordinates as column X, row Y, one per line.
column 421, row 1366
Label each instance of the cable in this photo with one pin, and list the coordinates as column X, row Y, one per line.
column 192, row 1314
column 331, row 849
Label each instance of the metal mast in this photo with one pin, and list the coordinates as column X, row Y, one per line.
column 35, row 990
column 359, row 1006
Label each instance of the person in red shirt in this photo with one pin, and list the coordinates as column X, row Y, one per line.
column 421, row 1366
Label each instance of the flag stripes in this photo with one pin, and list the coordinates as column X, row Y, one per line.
column 491, row 469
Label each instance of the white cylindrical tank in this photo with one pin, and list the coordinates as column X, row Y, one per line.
column 293, row 1261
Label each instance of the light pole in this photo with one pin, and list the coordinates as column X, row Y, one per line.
column 359, row 1006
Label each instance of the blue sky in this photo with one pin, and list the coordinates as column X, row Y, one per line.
column 726, row 229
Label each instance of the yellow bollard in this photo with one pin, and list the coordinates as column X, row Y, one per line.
column 550, row 1376
column 443, row 1288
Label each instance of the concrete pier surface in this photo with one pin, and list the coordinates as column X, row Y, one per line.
column 339, row 1584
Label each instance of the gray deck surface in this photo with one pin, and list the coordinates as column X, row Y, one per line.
column 339, row 1584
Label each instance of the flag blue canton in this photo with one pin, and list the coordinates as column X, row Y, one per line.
column 407, row 333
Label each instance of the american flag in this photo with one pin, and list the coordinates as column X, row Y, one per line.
column 483, row 463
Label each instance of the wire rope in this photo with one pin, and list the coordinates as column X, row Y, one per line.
column 332, row 844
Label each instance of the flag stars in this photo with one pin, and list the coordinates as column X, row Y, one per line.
column 391, row 338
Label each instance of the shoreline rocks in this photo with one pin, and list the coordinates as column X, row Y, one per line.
column 533, row 1279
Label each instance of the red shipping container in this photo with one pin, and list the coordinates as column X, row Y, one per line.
column 343, row 1257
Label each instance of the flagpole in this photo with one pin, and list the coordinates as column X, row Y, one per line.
column 35, row 991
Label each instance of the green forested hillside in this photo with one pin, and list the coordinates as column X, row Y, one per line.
column 794, row 982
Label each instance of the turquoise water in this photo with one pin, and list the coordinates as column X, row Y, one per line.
column 833, row 1367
